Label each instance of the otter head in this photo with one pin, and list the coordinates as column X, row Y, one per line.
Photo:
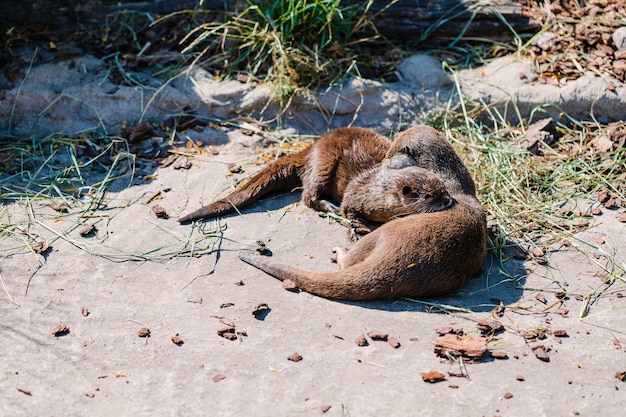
column 425, row 193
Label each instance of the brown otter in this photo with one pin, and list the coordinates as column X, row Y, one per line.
column 421, row 255
column 381, row 194
column 425, row 147
column 323, row 171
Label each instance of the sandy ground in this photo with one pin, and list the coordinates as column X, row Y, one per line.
column 102, row 367
column 108, row 286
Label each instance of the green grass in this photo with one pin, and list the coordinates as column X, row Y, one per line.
column 289, row 44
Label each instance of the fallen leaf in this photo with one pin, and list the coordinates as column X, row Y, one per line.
column 325, row 408
column 260, row 311
column 393, row 342
column 295, row 357
column 61, row 208
column 622, row 218
column 361, row 340
column 541, row 353
column 60, row 330
column 378, row 335
column 599, row 240
column 88, row 230
column 507, row 395
column 143, row 332
column 452, row 344
column 159, row 212
column 219, row 377
column 177, row 340
column 433, row 376
column 499, row 354
column 541, row 298
column 227, row 322
column 41, row 247
column 84, row 311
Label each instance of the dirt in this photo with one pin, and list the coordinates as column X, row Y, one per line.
column 121, row 310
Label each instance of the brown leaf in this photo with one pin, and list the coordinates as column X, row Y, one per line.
column 84, row 311
column 541, row 352
column 41, row 247
column 60, row 330
column 295, row 357
column 181, row 162
column 377, row 335
column 143, row 332
column 87, row 230
column 471, row 347
column 444, row 330
column 393, row 342
column 537, row 252
column 541, row 298
column 433, row 376
column 61, row 207
column 219, row 377
column 599, row 240
column 227, row 322
column 499, row 354
column 325, row 408
column 177, row 340
column 520, row 378
column 234, row 168
column 260, row 311
column 361, row 340
column 621, row 217
column 159, row 212
column 507, row 395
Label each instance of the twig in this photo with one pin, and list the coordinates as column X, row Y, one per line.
column 7, row 291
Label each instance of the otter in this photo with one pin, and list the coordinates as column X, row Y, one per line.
column 420, row 255
column 425, row 147
column 380, row 194
column 323, row 170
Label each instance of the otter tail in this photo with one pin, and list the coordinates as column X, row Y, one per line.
column 281, row 175
column 339, row 285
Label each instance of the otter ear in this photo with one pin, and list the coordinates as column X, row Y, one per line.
column 409, row 192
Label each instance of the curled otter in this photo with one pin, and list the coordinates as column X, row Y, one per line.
column 420, row 255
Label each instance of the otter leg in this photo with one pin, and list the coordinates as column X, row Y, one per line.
column 359, row 228
column 357, row 253
column 325, row 205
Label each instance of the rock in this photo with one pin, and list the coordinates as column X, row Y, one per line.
column 424, row 71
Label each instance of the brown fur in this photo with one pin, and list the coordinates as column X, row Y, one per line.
column 381, row 194
column 322, row 170
column 425, row 147
column 421, row 255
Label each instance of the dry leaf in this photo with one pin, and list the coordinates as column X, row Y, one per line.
column 433, row 376
column 60, row 330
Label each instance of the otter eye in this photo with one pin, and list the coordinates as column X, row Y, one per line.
column 409, row 192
